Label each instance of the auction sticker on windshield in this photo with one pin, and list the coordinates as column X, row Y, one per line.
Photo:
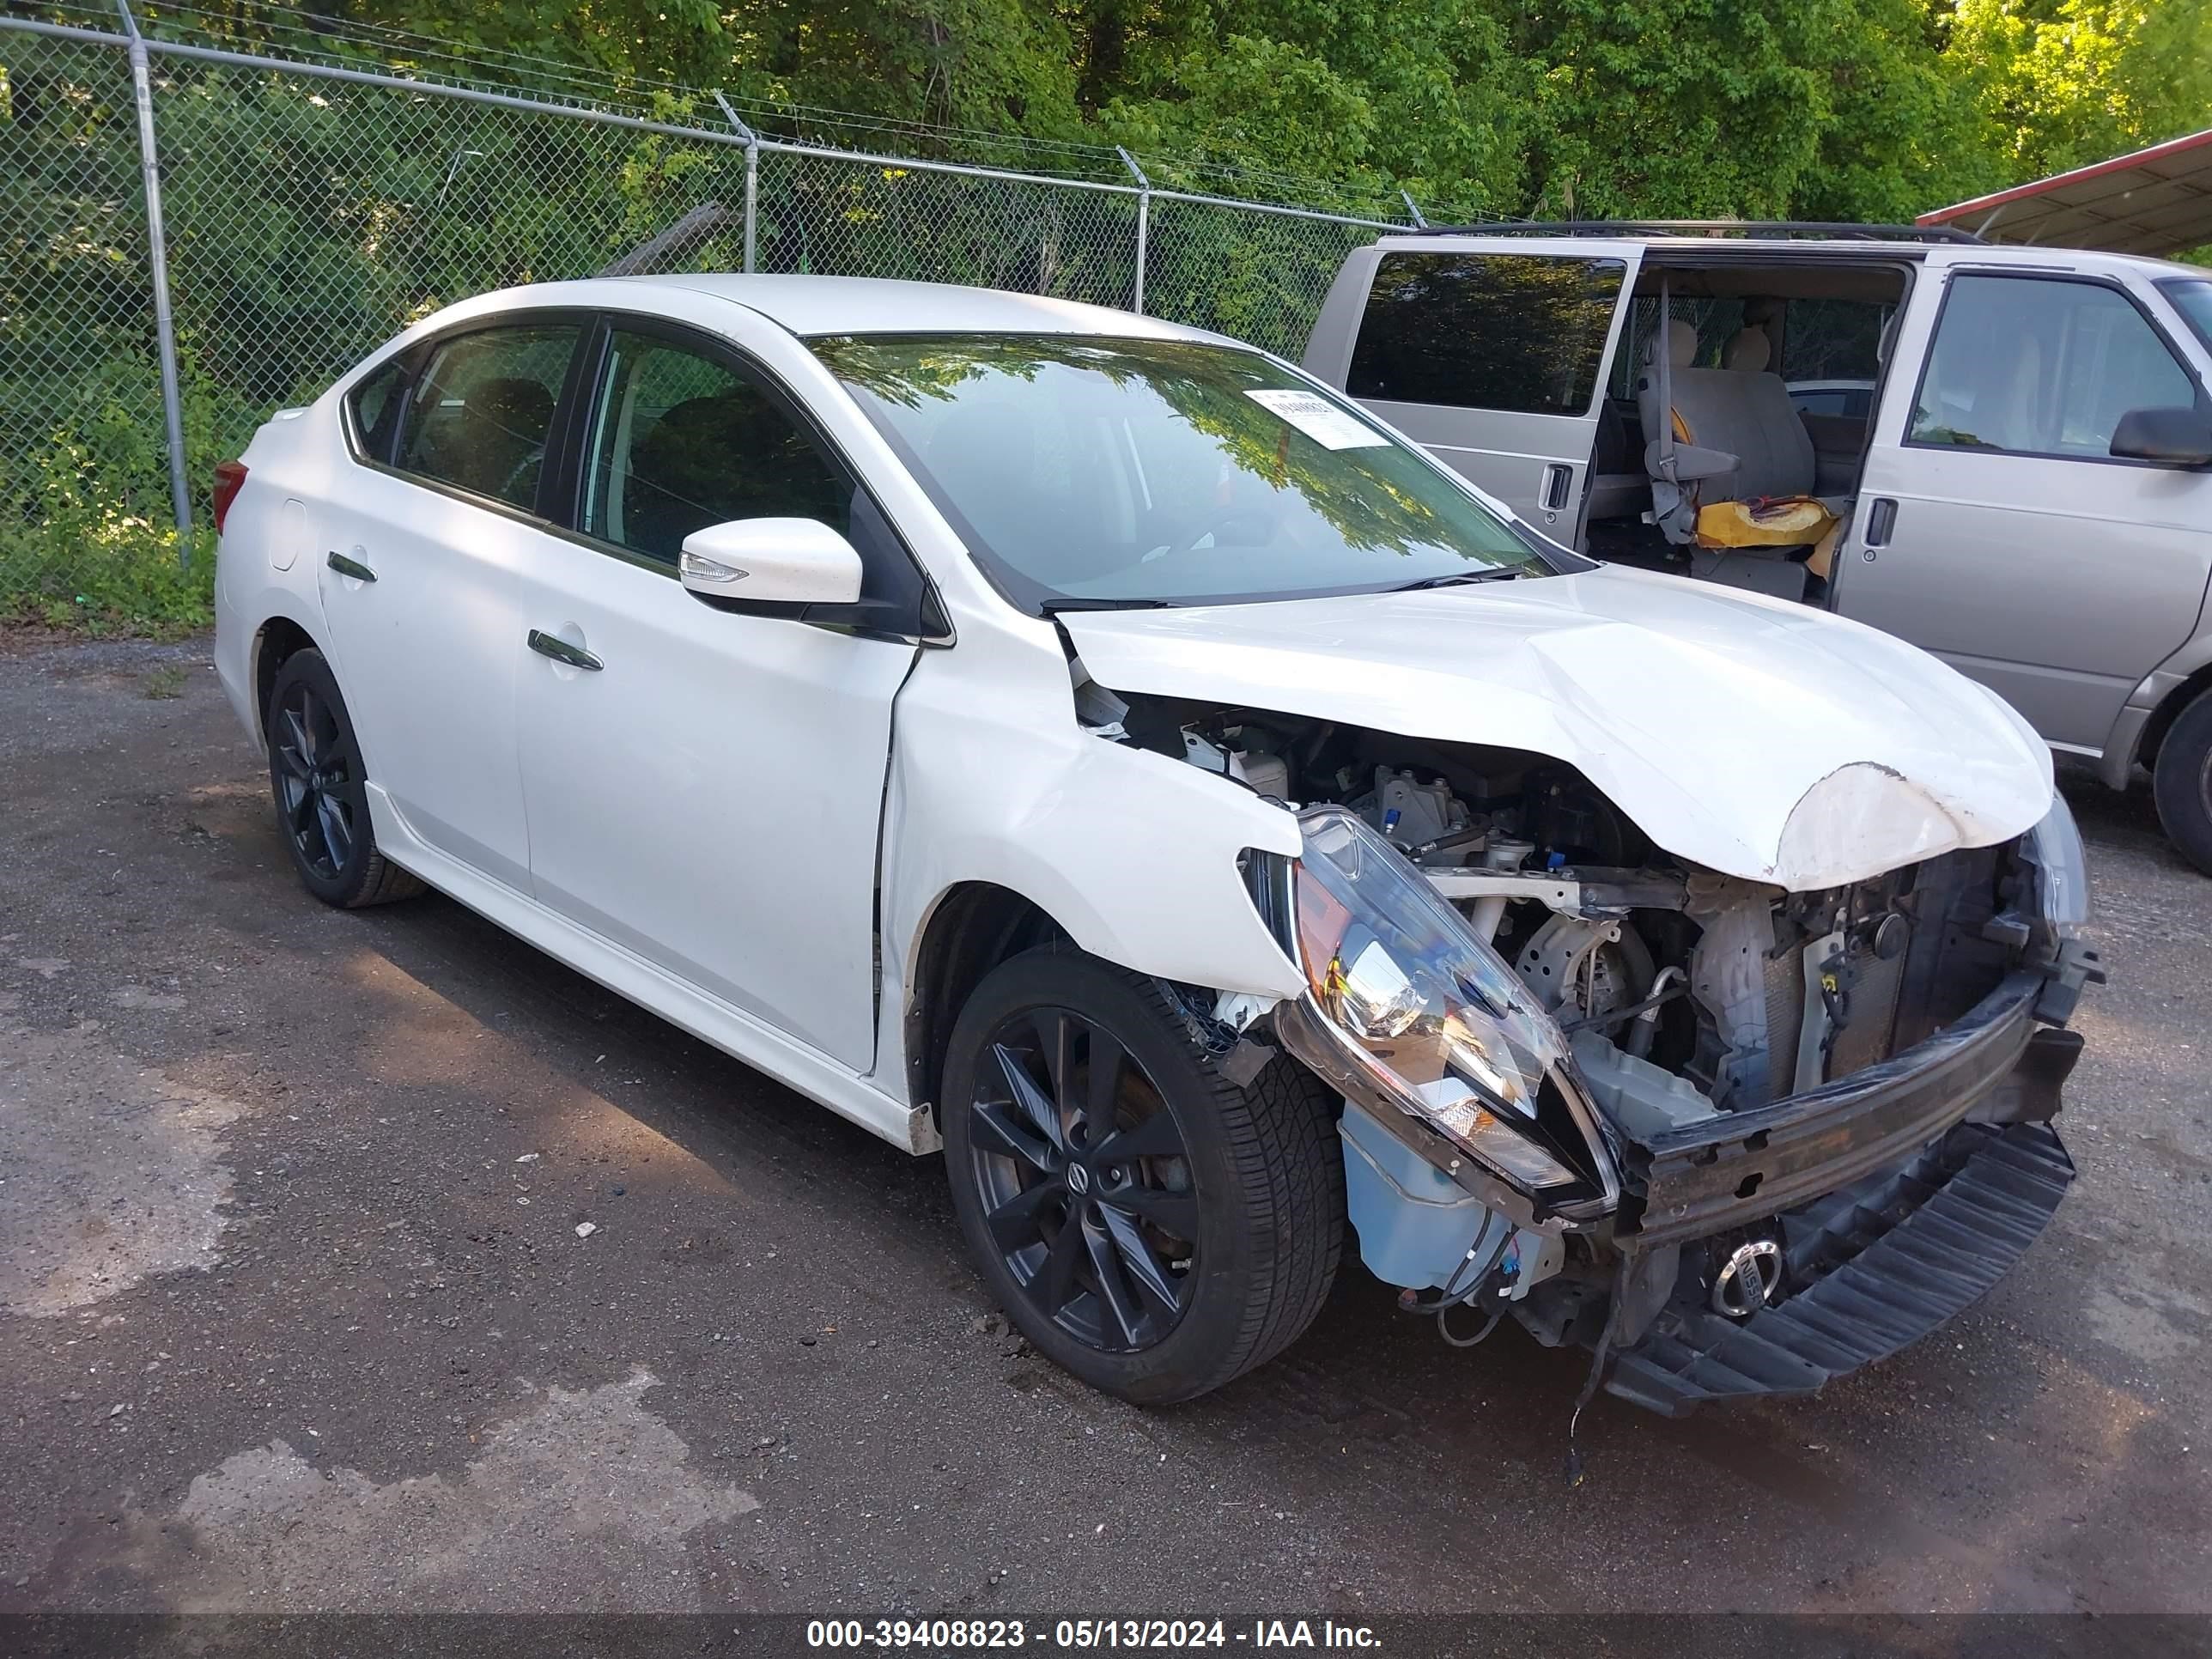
column 1319, row 419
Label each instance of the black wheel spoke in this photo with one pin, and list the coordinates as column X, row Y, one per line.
column 1056, row 1284
column 1017, row 1223
column 1156, row 1136
column 1105, row 1082
column 338, row 833
column 1004, row 1129
column 1171, row 1213
column 1113, row 1287
column 1141, row 1262
column 1055, row 1035
column 297, row 753
column 299, row 808
column 1043, row 1113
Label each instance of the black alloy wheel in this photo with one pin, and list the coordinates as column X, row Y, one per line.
column 318, row 797
column 1085, row 1180
column 1152, row 1226
column 321, row 790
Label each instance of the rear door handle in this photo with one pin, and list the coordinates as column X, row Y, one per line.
column 1557, row 478
column 547, row 645
column 1881, row 519
column 353, row 568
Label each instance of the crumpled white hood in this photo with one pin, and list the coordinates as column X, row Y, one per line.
column 1753, row 736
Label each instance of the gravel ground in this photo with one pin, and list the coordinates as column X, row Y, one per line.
column 296, row 1314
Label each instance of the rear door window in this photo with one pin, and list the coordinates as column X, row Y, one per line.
column 1523, row 333
column 2041, row 366
column 482, row 412
column 373, row 409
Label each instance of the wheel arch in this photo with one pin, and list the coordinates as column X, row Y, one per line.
column 2169, row 710
column 279, row 638
column 972, row 928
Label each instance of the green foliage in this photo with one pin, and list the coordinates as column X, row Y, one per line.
column 1873, row 109
column 309, row 220
column 106, row 573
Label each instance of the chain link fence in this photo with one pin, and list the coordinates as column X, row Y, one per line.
column 312, row 210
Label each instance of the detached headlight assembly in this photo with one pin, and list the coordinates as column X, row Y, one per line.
column 1408, row 1009
column 2061, row 869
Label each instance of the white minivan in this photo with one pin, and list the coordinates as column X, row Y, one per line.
column 1094, row 750
column 2001, row 453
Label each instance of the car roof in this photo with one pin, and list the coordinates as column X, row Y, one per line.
column 810, row 306
column 1775, row 249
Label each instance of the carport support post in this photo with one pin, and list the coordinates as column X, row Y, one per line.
column 1143, row 224
column 157, row 266
column 752, row 175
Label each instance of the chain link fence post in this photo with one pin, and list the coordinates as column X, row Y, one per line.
column 1144, row 223
column 752, row 180
column 157, row 266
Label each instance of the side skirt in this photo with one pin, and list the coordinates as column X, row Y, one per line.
column 710, row 1018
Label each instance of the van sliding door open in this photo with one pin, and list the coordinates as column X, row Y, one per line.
column 1490, row 354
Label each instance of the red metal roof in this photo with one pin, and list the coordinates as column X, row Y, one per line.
column 2155, row 201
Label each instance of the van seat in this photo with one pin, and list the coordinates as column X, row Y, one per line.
column 1744, row 411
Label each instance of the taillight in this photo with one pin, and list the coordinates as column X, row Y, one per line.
column 229, row 479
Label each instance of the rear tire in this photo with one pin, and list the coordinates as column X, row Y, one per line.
column 2182, row 783
column 321, row 790
column 1190, row 1235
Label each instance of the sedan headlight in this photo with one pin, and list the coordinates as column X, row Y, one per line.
column 1407, row 1007
column 2061, row 869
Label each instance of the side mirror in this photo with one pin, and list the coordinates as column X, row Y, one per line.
column 2166, row 437
column 779, row 562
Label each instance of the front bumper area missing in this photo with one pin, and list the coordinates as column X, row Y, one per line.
column 1876, row 1266
column 1994, row 1065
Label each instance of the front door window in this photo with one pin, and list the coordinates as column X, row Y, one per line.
column 680, row 441
column 2037, row 365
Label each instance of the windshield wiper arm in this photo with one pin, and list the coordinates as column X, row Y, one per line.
column 1505, row 573
column 1053, row 606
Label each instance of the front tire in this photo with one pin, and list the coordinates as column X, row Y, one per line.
column 1149, row 1225
column 2182, row 783
column 321, row 790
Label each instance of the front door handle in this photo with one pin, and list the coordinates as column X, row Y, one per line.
column 547, row 645
column 353, row 568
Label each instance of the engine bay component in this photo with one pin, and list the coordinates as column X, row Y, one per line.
column 1417, row 1227
column 1413, row 813
column 1644, row 1099
column 1583, row 1077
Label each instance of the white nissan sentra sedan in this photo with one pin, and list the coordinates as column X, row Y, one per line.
column 1096, row 750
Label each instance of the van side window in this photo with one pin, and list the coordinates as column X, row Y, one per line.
column 2036, row 366
column 482, row 410
column 1520, row 332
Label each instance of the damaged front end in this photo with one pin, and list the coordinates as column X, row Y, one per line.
column 1736, row 1139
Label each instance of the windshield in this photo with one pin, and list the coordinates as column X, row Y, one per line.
column 2193, row 300
column 1118, row 471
